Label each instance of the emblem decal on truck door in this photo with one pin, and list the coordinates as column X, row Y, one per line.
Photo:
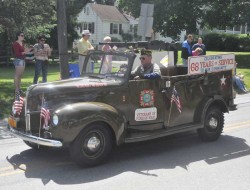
column 147, row 98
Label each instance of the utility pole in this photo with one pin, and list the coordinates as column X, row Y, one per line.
column 62, row 38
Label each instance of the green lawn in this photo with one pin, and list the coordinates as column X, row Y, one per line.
column 7, row 73
column 7, row 83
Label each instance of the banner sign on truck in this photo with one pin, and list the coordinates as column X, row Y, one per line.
column 210, row 63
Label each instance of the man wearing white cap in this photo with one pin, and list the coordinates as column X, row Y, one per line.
column 83, row 47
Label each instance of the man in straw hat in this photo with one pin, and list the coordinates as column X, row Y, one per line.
column 147, row 69
column 83, row 47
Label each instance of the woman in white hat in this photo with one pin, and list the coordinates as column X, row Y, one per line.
column 83, row 47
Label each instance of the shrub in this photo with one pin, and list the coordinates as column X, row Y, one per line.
column 227, row 42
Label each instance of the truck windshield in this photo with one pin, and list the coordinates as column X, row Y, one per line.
column 103, row 65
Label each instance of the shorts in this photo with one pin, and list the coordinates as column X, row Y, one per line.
column 19, row 62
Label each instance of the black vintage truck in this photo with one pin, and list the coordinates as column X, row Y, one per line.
column 105, row 107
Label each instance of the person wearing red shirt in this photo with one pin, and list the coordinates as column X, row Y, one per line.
column 19, row 51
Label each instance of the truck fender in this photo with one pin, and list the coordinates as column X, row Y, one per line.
column 75, row 117
column 207, row 102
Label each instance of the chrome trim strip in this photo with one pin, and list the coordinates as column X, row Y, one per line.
column 27, row 118
column 35, row 139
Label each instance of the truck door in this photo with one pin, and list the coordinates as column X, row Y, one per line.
column 182, row 95
column 146, row 102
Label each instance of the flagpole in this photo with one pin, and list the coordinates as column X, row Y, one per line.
column 170, row 108
column 41, row 118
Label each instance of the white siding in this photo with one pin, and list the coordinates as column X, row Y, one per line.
column 102, row 27
column 91, row 17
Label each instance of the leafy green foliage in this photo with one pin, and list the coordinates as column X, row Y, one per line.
column 29, row 16
column 227, row 13
column 105, row 2
column 173, row 16
column 227, row 42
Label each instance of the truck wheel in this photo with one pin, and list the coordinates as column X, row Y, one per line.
column 213, row 125
column 92, row 145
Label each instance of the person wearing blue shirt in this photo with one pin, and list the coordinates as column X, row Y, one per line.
column 147, row 69
column 186, row 49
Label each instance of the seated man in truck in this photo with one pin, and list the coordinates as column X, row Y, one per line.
column 147, row 69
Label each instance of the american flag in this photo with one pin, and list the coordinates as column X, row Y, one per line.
column 176, row 99
column 45, row 114
column 18, row 104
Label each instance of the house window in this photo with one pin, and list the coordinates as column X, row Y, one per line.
column 88, row 26
column 131, row 28
column 115, row 28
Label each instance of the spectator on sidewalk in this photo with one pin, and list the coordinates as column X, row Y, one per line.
column 19, row 51
column 186, row 50
column 42, row 51
column 107, row 62
column 83, row 47
column 238, row 81
column 197, row 52
column 199, row 44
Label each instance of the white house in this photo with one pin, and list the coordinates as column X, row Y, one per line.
column 106, row 20
column 102, row 20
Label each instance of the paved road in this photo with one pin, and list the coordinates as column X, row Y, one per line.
column 178, row 162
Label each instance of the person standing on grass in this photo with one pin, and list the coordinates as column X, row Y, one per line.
column 42, row 51
column 83, row 47
column 186, row 49
column 199, row 44
column 19, row 51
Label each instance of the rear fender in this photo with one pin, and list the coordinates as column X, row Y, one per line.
column 207, row 102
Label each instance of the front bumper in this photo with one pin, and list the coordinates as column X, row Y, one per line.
column 35, row 139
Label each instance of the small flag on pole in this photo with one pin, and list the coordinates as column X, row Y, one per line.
column 175, row 98
column 45, row 114
column 18, row 105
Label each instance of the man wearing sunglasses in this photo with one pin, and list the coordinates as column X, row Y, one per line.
column 147, row 69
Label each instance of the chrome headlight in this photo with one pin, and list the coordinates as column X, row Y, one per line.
column 55, row 119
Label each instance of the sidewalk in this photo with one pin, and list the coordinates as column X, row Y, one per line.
column 3, row 122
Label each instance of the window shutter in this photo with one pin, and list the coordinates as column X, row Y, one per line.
column 111, row 28
column 120, row 28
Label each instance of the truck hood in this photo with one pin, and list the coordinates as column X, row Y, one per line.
column 73, row 85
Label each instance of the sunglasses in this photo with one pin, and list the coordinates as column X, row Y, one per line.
column 142, row 58
column 22, row 35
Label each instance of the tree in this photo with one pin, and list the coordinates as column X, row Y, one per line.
column 30, row 16
column 73, row 8
column 106, row 2
column 227, row 13
column 173, row 16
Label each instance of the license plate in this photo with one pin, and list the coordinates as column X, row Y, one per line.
column 12, row 122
